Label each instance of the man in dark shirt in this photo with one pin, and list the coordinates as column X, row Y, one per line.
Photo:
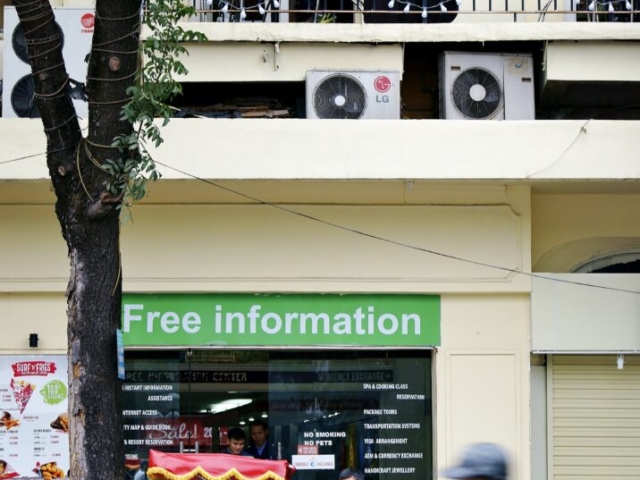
column 259, row 447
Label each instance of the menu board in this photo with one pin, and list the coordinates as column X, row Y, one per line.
column 150, row 403
column 151, row 415
column 394, row 435
column 376, row 418
column 34, row 423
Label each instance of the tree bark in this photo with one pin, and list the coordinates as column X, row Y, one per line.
column 88, row 216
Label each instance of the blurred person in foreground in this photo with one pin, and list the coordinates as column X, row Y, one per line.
column 480, row 461
column 351, row 474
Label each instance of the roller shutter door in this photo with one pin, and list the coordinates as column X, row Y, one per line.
column 595, row 418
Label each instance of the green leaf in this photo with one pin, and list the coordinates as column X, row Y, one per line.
column 154, row 86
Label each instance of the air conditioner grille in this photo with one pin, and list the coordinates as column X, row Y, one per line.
column 339, row 96
column 19, row 44
column 477, row 93
column 22, row 98
column 73, row 32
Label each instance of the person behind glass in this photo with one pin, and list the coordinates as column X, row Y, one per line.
column 259, row 446
column 351, row 474
column 141, row 474
column 237, row 439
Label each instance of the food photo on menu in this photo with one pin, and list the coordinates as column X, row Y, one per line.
column 49, row 471
column 6, row 471
column 22, row 391
column 7, row 421
column 61, row 423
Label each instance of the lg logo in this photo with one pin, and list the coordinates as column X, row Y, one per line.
column 382, row 84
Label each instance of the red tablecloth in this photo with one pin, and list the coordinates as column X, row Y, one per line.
column 215, row 466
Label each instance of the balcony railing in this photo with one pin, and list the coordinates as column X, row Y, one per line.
column 416, row 11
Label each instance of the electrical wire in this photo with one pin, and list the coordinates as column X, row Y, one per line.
column 395, row 242
column 328, row 223
column 26, row 157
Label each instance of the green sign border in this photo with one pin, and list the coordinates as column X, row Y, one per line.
column 236, row 319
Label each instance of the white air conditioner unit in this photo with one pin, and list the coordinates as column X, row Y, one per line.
column 486, row 86
column 76, row 29
column 353, row 94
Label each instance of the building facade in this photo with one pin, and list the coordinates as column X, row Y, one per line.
column 405, row 283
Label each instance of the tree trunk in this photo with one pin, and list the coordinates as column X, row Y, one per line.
column 89, row 217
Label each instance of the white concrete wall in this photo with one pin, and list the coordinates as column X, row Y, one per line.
column 482, row 372
column 35, row 312
column 507, row 151
column 571, row 230
column 458, row 31
column 539, row 444
column 271, row 248
column 592, row 61
column 261, row 62
column 571, row 314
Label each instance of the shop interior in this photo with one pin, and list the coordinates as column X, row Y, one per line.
column 358, row 408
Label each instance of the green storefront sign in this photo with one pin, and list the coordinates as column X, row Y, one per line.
column 280, row 320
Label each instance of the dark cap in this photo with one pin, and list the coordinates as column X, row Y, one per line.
column 486, row 460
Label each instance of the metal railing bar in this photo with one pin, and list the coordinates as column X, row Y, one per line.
column 434, row 12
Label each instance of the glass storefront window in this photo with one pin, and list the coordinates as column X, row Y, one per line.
column 325, row 409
